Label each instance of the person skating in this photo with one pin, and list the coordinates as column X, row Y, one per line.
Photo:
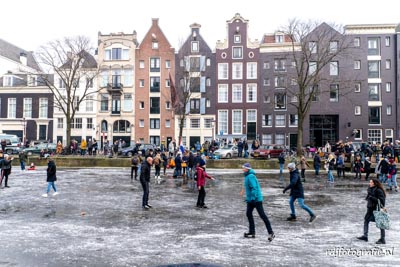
column 296, row 192
column 201, row 183
column 51, row 177
column 145, row 181
column 375, row 192
column 254, row 200
column 6, row 166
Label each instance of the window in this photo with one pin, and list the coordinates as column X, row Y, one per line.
column 194, row 84
column 128, row 77
column 237, row 118
column 208, row 82
column 32, row 80
column 389, row 133
column 237, row 70
column 279, row 38
column 116, row 79
column 333, row 46
column 222, row 93
column 237, row 39
column 89, row 103
column 222, row 121
column 373, row 69
column 267, row 99
column 357, row 87
column 267, row 65
column 334, row 68
column 373, row 46
column 89, row 123
column 154, row 123
column 293, row 119
column 167, row 64
column 280, row 100
column 122, row 126
column 141, row 83
column 104, row 102
column 208, row 123
column 116, row 54
column 76, row 123
column 357, row 41
column 89, row 82
column 154, row 84
column 43, row 107
column 167, row 105
column 357, row 64
column 116, row 105
column 314, row 91
column 279, row 64
column 280, row 81
column 141, row 123
column 388, row 87
column 60, row 123
column 8, row 80
column 251, row 115
column 388, row 64
column 195, row 46
column 374, row 115
column 167, row 123
column 141, row 64
column 141, row 105
column 27, row 108
column 154, row 45
column 237, row 93
column 12, row 108
column 313, row 47
column 389, row 110
column 195, row 106
column 61, row 83
column 280, row 139
column 251, row 70
column 357, row 110
column 251, row 93
column 154, row 105
column 267, row 138
column 294, row 99
column 280, row 120
column 373, row 92
column 237, row 52
column 155, row 64
column 267, row 120
column 104, row 79
column 195, row 63
column 195, row 123
column 266, row 82
column 312, row 68
column 128, row 103
column 387, row 41
column 334, row 93
column 222, row 71
column 375, row 135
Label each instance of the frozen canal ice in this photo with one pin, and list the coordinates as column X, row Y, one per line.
column 97, row 220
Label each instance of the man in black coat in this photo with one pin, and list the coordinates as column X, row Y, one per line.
column 145, row 181
column 296, row 192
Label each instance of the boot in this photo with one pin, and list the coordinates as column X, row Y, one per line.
column 381, row 241
column 291, row 218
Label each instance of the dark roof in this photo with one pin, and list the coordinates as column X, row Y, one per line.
column 13, row 52
column 89, row 62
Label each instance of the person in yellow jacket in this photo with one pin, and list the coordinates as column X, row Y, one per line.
column 83, row 147
column 59, row 147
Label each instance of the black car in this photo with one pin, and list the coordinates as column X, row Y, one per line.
column 129, row 151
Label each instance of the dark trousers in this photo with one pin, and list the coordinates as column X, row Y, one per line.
column 249, row 213
column 369, row 217
column 303, row 173
column 157, row 168
column 134, row 170
column 146, row 189
column 201, row 197
column 4, row 174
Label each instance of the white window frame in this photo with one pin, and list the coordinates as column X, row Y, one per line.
column 357, row 64
column 387, row 41
column 235, row 49
column 128, row 103
column 141, row 123
column 60, row 123
column 357, row 87
column 237, row 121
column 357, row 42
column 334, row 68
column 296, row 120
column 237, row 93
column 357, row 110
column 388, row 87
column 251, row 93
column 280, row 120
column 237, row 70
column 251, row 115
column 27, row 108
column 266, row 139
column 389, row 110
column 223, row 118
column 12, row 108
column 388, row 64
column 269, row 116
column 223, row 71
column 223, row 93
column 89, row 101
column 43, row 108
column 251, row 72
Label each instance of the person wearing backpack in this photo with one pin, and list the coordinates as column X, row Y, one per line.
column 134, row 165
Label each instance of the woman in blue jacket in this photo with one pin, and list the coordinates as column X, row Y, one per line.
column 254, row 200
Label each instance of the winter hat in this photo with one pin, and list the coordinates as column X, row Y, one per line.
column 202, row 163
column 291, row 165
column 246, row 166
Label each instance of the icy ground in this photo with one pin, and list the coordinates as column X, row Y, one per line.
column 97, row 220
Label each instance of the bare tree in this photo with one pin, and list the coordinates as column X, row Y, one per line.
column 314, row 49
column 74, row 70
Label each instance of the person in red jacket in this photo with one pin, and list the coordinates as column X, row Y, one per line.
column 201, row 182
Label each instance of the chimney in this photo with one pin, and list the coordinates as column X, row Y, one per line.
column 23, row 58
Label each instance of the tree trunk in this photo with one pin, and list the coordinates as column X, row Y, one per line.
column 299, row 144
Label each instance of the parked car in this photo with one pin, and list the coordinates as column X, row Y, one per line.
column 129, row 151
column 13, row 143
column 228, row 151
column 49, row 147
column 268, row 151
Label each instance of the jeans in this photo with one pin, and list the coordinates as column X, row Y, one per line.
column 22, row 165
column 300, row 201
column 383, row 178
column 50, row 185
column 330, row 176
column 281, row 165
column 392, row 181
column 316, row 169
column 249, row 213
column 146, row 191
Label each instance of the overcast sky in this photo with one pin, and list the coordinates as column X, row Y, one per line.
column 31, row 23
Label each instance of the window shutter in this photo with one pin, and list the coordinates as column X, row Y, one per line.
column 202, row 63
column 202, row 106
column 202, row 84
column 187, row 109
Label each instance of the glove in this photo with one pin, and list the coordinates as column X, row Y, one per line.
column 284, row 191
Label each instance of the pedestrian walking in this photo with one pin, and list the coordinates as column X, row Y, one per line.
column 303, row 165
column 51, row 177
column 145, row 181
column 6, row 166
column 317, row 164
column 392, row 175
column 281, row 160
column 134, row 165
column 375, row 194
column 201, row 183
column 254, row 200
column 22, row 159
column 296, row 192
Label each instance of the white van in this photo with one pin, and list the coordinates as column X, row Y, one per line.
column 13, row 143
